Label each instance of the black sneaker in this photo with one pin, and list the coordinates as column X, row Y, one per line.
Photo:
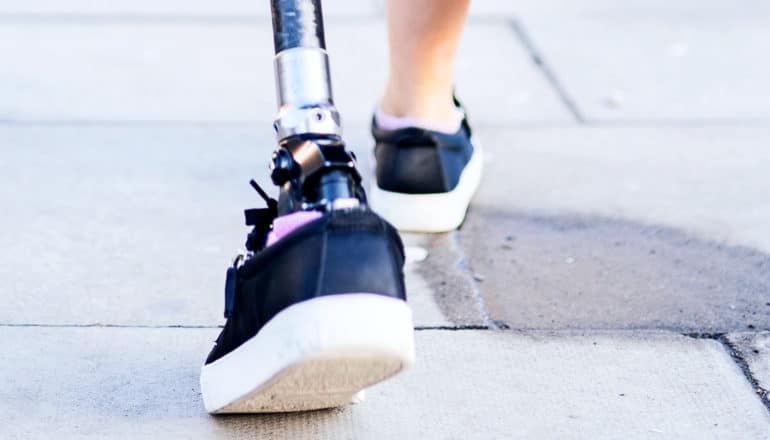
column 315, row 312
column 425, row 179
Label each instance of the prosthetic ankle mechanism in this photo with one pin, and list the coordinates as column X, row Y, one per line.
column 315, row 174
column 311, row 164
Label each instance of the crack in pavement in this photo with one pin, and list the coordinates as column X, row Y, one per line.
column 448, row 275
column 547, row 71
column 739, row 360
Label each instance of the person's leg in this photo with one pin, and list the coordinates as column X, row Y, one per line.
column 427, row 168
column 423, row 36
column 316, row 305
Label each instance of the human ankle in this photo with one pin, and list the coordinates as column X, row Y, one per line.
column 388, row 121
column 432, row 114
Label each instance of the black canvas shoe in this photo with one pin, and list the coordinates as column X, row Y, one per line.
column 315, row 310
column 425, row 179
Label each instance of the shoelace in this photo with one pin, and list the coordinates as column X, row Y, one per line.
column 261, row 219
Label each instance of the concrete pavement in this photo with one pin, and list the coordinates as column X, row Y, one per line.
column 142, row 383
column 612, row 279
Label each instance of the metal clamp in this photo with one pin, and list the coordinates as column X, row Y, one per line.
column 292, row 121
column 303, row 89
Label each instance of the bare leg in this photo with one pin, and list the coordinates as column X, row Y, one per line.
column 423, row 38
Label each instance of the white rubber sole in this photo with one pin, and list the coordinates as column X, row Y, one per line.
column 314, row 354
column 435, row 212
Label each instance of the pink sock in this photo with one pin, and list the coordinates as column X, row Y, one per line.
column 284, row 225
column 389, row 122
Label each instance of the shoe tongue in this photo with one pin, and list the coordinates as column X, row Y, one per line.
column 284, row 225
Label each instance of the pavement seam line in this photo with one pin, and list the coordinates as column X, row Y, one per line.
column 464, row 268
column 740, row 361
column 452, row 327
column 539, row 60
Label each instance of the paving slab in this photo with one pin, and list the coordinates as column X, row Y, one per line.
column 108, row 382
column 754, row 348
column 711, row 181
column 167, row 71
column 98, row 382
column 135, row 225
column 656, row 61
column 624, row 228
column 556, row 272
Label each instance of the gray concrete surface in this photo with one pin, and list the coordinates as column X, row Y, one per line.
column 141, row 383
column 556, row 272
column 755, row 349
column 119, row 225
column 426, row 305
column 209, row 72
column 626, row 188
column 446, row 272
column 624, row 228
column 707, row 179
column 686, row 60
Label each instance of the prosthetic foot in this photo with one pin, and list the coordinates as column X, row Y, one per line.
column 315, row 306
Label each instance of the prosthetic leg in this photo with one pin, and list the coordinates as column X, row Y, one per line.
column 311, row 165
column 316, row 307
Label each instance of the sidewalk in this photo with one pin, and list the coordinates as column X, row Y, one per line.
column 612, row 279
